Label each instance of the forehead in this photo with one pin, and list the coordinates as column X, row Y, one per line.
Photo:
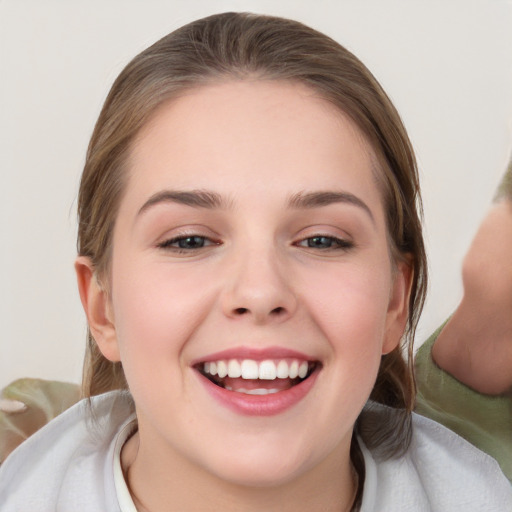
column 255, row 135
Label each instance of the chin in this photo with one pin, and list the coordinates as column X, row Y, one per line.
column 265, row 464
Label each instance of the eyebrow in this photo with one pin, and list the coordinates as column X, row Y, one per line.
column 195, row 198
column 307, row 200
column 212, row 200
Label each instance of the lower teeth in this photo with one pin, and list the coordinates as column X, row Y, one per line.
column 257, row 391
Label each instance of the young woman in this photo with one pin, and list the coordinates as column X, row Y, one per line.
column 250, row 256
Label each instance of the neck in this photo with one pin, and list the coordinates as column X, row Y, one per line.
column 330, row 486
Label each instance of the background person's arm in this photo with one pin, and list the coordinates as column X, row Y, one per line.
column 475, row 346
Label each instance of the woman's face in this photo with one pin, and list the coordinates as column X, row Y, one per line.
column 251, row 240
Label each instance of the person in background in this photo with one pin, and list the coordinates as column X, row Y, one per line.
column 464, row 370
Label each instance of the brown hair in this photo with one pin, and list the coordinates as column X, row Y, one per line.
column 237, row 46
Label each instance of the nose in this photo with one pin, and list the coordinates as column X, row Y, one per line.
column 260, row 288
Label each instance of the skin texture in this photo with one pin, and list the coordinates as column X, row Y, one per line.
column 255, row 284
column 476, row 344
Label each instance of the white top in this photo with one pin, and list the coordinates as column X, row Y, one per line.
column 73, row 464
column 123, row 494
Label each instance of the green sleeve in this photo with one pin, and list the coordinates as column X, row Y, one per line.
column 42, row 400
column 505, row 187
column 483, row 420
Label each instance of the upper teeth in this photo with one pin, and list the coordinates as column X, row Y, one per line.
column 250, row 369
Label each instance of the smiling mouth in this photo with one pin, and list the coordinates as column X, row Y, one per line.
column 252, row 377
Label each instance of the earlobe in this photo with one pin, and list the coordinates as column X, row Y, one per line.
column 97, row 307
column 398, row 308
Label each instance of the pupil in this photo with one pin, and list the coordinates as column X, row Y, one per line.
column 191, row 242
column 320, row 241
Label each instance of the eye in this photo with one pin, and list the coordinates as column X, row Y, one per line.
column 187, row 243
column 323, row 242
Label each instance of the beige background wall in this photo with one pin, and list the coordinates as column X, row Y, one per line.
column 445, row 63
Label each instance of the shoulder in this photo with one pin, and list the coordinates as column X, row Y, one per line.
column 67, row 459
column 440, row 472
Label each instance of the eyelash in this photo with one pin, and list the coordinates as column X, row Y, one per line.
column 340, row 244
column 168, row 244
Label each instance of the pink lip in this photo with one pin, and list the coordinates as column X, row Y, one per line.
column 259, row 405
column 257, row 354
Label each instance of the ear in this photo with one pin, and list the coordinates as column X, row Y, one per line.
column 398, row 308
column 98, row 309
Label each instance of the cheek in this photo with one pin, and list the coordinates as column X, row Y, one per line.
column 350, row 306
column 156, row 311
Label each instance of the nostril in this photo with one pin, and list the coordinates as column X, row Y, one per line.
column 274, row 312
